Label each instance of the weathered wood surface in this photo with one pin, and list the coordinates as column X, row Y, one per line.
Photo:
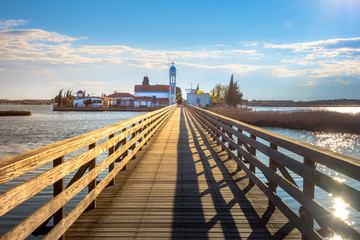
column 182, row 186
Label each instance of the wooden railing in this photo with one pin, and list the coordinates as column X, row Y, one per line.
column 242, row 141
column 122, row 141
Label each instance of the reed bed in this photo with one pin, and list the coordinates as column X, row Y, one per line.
column 325, row 121
column 15, row 113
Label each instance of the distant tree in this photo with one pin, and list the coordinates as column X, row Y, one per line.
column 84, row 94
column 59, row 97
column 154, row 100
column 218, row 93
column 69, row 95
column 178, row 95
column 233, row 96
column 146, row 81
column 197, row 88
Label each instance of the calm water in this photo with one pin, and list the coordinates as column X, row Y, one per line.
column 20, row 134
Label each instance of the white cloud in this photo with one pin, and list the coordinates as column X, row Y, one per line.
column 310, row 46
column 310, row 83
column 95, row 83
column 12, row 23
column 342, row 81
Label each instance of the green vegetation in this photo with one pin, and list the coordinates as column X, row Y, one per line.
column 15, row 113
column 178, row 95
column 233, row 96
column 326, row 121
column 231, row 93
column 64, row 100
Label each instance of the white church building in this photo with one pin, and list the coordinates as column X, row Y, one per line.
column 156, row 95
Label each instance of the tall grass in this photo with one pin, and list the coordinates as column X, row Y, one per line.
column 326, row 121
column 15, row 113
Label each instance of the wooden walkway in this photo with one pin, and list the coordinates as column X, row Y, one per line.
column 181, row 186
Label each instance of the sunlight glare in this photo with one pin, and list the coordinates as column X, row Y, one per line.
column 336, row 237
column 341, row 209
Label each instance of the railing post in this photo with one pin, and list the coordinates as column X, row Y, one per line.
column 231, row 137
column 92, row 184
column 309, row 189
column 272, row 185
column 59, row 186
column 252, row 166
column 132, row 136
column 139, row 131
column 222, row 138
column 126, row 151
column 145, row 127
column 238, row 152
column 112, row 165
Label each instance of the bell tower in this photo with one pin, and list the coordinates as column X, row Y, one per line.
column 172, row 84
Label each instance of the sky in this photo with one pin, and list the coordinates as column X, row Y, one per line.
column 276, row 49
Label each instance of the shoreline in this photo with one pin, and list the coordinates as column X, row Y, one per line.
column 89, row 109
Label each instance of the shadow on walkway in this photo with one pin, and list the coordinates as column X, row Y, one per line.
column 212, row 203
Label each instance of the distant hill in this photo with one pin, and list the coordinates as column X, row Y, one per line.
column 316, row 103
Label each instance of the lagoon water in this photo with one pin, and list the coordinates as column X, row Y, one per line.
column 23, row 133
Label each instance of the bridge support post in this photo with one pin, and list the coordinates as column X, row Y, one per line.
column 309, row 189
column 134, row 145
column 59, row 186
column 252, row 166
column 127, row 151
column 272, row 185
column 92, row 184
column 238, row 152
column 112, row 165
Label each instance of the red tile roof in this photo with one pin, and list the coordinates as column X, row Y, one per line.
column 151, row 88
column 163, row 99
column 115, row 95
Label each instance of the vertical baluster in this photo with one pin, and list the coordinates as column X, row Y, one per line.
column 139, row 131
column 59, row 186
column 145, row 128
column 124, row 141
column 238, row 152
column 231, row 137
column 222, row 138
column 309, row 189
column 92, row 184
column 133, row 136
column 272, row 185
column 252, row 166
column 112, row 165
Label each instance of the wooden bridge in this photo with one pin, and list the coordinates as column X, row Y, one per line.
column 177, row 173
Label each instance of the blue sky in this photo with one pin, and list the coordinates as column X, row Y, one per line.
column 280, row 49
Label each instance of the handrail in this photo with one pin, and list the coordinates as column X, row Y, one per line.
column 224, row 130
column 125, row 139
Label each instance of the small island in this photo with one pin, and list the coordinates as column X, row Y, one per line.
column 14, row 113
